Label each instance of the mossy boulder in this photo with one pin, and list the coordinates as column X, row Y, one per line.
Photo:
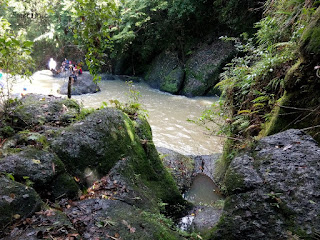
column 180, row 166
column 17, row 201
column 43, row 169
column 102, row 218
column 106, row 143
column 273, row 190
column 83, row 85
column 34, row 110
column 204, row 66
column 96, row 143
column 47, row 223
column 110, row 156
column 166, row 72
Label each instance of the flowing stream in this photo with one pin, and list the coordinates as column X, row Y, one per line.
column 167, row 114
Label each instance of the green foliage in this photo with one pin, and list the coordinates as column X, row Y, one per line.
column 84, row 113
column 254, row 81
column 7, row 131
column 27, row 181
column 15, row 60
column 91, row 25
column 132, row 107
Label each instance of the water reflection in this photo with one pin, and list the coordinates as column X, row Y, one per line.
column 203, row 191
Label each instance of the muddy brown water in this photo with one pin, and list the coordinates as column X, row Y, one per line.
column 167, row 114
column 203, row 191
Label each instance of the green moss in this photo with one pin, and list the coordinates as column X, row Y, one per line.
column 170, row 83
column 233, row 181
column 65, row 186
column 142, row 128
column 274, row 125
column 224, row 161
column 70, row 103
column 311, row 36
column 161, row 225
column 7, row 131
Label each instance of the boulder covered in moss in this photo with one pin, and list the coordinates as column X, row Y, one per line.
column 110, row 156
column 41, row 169
column 91, row 147
column 106, row 143
column 204, row 66
column 45, row 224
column 273, row 190
column 82, row 84
column 166, row 72
column 35, row 110
column 114, row 219
column 17, row 201
column 180, row 166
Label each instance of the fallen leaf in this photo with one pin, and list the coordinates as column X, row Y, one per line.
column 131, row 229
column 8, row 199
column 76, row 179
column 36, row 161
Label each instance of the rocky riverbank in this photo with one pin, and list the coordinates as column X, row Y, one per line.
column 67, row 174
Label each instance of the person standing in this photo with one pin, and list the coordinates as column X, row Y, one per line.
column 1, row 81
column 52, row 64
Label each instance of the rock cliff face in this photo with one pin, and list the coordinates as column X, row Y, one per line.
column 111, row 158
column 197, row 76
column 166, row 73
column 273, row 190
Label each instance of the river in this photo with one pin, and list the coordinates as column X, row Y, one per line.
column 167, row 114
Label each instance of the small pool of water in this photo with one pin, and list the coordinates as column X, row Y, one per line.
column 203, row 191
column 204, row 194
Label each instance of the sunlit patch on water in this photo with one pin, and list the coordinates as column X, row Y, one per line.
column 186, row 222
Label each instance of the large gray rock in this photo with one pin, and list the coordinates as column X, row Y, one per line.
column 45, row 171
column 45, row 224
column 107, row 142
column 105, row 151
column 83, row 85
column 204, row 66
column 114, row 219
column 166, row 72
column 273, row 190
column 180, row 166
column 35, row 109
column 16, row 201
column 90, row 148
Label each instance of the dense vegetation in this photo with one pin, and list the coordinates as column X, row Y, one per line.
column 130, row 32
column 269, row 87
